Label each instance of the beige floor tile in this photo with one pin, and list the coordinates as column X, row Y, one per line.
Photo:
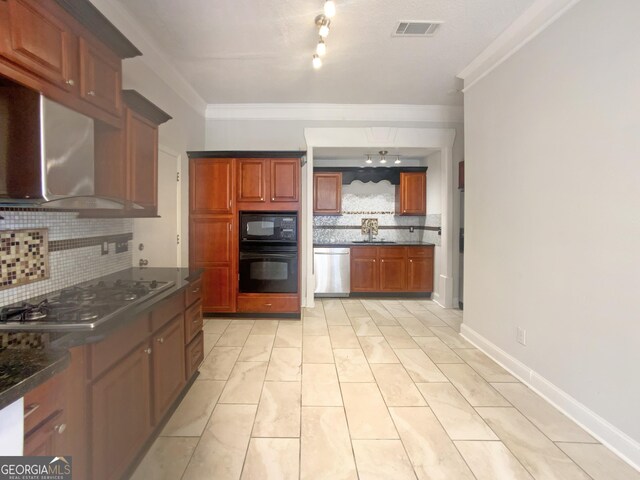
column 279, row 410
column 492, row 461
column 194, row 411
column 419, row 366
column 415, row 327
column 210, row 340
column 398, row 390
column 367, row 414
column 335, row 313
column 458, row 418
column 343, row 336
column 352, row 365
column 316, row 311
column 289, row 335
column 450, row 337
column 264, row 327
column 539, row 455
column 257, row 348
column 365, row 327
column 382, row 317
column 382, row 460
column 285, row 365
column 320, row 387
column 314, row 326
column 354, row 308
column 428, row 319
column 272, row 459
column 219, row 363
column 472, row 386
column 215, row 326
column 599, row 462
column 245, row 383
column 377, row 350
column 542, row 414
column 234, row 335
column 222, row 448
column 437, row 350
column 430, row 450
column 487, row 368
column 397, row 337
column 243, row 321
column 396, row 309
column 317, row 349
column 167, row 459
column 325, row 450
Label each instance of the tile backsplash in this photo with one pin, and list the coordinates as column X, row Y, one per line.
column 74, row 249
column 24, row 256
column 374, row 200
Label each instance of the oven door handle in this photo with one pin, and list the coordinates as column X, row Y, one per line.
column 266, row 255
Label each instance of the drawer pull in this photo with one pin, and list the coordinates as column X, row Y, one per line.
column 273, row 199
column 91, row 93
column 147, row 351
column 268, row 304
column 31, row 408
column 195, row 290
column 160, row 340
column 196, row 320
column 70, row 82
column 59, row 429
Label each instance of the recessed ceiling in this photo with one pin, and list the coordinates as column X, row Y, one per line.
column 259, row 51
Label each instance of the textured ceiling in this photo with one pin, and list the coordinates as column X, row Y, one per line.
column 259, row 51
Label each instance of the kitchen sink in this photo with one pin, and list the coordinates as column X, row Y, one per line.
column 374, row 241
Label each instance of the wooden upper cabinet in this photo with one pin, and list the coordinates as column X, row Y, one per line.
column 211, row 186
column 327, row 193
column 100, row 76
column 285, row 180
column 411, row 194
column 211, row 240
column 39, row 40
column 142, row 156
column 252, row 180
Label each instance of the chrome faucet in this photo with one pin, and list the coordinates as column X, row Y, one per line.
column 369, row 226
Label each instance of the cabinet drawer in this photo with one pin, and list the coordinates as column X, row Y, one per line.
column 166, row 310
column 268, row 304
column 108, row 352
column 392, row 252
column 194, row 355
column 194, row 292
column 193, row 322
column 425, row 252
column 43, row 401
column 48, row 438
column 364, row 252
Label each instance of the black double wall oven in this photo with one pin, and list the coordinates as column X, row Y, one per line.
column 268, row 252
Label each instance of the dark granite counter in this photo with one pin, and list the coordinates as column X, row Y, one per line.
column 373, row 244
column 24, row 368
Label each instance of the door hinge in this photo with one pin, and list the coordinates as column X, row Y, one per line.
column 177, row 176
column 178, row 239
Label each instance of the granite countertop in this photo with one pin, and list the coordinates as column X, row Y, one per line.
column 374, row 243
column 24, row 368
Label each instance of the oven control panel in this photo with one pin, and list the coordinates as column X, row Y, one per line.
column 288, row 228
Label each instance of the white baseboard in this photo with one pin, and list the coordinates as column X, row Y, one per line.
column 619, row 442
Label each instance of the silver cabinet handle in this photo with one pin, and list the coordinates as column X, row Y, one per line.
column 147, row 351
column 91, row 93
column 195, row 290
column 59, row 429
column 261, row 199
column 267, row 304
column 70, row 82
column 273, row 199
column 160, row 340
column 31, row 408
column 410, row 261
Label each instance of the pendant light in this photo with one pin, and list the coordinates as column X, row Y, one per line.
column 323, row 24
column 317, row 62
column 329, row 8
column 321, row 49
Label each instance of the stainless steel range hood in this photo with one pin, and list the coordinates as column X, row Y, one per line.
column 46, row 153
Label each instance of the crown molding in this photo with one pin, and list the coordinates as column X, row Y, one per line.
column 525, row 28
column 152, row 54
column 335, row 112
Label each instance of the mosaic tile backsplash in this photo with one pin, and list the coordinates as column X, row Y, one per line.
column 373, row 200
column 76, row 256
column 24, row 256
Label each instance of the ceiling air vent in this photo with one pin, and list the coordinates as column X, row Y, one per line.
column 416, row 29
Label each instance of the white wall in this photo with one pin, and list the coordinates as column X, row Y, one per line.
column 552, row 222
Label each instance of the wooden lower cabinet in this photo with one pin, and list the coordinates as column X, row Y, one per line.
column 268, row 303
column 121, row 414
column 168, row 365
column 391, row 269
column 48, row 439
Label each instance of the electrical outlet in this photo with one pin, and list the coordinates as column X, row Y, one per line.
column 521, row 336
column 411, row 229
column 122, row 246
column 105, row 248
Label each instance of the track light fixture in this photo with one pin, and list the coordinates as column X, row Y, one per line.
column 323, row 22
column 317, row 62
column 329, row 8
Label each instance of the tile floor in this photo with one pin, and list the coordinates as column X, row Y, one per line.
column 365, row 389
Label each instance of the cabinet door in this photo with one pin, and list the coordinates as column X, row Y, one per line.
column 413, row 193
column 393, row 269
column 285, row 180
column 142, row 160
column 100, row 77
column 211, row 240
column 40, row 41
column 211, row 182
column 48, row 438
column 168, row 365
column 327, row 193
column 252, row 180
column 218, row 288
column 364, row 269
column 121, row 414
column 420, row 274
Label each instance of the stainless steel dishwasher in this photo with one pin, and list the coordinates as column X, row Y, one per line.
column 332, row 271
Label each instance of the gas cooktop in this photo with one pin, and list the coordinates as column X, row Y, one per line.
column 81, row 307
